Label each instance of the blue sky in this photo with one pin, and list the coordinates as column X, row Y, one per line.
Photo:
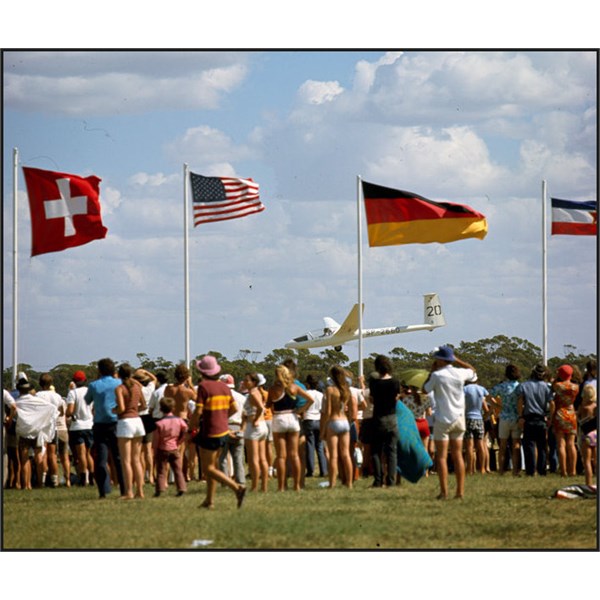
column 480, row 128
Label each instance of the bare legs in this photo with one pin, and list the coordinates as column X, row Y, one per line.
column 210, row 469
column 441, row 455
column 339, row 448
column 286, row 446
column 567, row 454
column 257, row 461
column 588, row 457
column 130, row 451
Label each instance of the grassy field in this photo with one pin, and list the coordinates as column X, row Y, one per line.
column 499, row 513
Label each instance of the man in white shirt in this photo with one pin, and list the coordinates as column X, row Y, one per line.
column 58, row 445
column 36, row 426
column 446, row 383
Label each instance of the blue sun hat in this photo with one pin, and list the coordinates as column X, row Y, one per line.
column 445, row 353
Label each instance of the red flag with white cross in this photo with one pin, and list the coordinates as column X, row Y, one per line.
column 65, row 210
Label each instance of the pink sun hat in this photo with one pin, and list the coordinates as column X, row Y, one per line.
column 208, row 365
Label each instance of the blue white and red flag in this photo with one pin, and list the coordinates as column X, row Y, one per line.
column 574, row 218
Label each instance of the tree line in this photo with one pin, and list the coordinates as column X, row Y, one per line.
column 490, row 357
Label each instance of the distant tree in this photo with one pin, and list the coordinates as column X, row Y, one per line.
column 334, row 357
column 7, row 375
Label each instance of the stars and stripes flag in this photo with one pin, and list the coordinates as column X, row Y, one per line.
column 574, row 218
column 223, row 198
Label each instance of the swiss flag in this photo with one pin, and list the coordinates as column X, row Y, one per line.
column 65, row 210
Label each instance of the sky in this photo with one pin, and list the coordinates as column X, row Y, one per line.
column 482, row 128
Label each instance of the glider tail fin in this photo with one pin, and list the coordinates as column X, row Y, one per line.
column 350, row 324
column 434, row 315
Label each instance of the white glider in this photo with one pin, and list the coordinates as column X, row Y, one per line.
column 334, row 334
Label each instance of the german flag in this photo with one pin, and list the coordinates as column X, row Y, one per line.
column 396, row 217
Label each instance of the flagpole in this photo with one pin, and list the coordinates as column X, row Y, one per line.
column 15, row 360
column 186, row 263
column 360, row 296
column 544, row 278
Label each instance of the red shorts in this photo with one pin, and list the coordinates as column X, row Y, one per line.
column 423, row 427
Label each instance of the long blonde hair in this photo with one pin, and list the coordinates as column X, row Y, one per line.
column 284, row 376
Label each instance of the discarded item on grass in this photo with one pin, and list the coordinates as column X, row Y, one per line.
column 575, row 492
column 200, row 543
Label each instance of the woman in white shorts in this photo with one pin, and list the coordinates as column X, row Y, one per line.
column 286, row 424
column 255, row 433
column 130, row 431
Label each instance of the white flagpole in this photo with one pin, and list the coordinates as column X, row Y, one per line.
column 544, row 279
column 186, row 263
column 360, row 298
column 15, row 298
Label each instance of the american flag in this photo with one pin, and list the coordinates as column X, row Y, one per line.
column 223, row 198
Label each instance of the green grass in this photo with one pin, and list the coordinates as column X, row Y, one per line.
column 499, row 513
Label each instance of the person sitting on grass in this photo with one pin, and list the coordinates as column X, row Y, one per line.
column 167, row 437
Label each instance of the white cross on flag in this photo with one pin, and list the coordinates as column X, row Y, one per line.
column 65, row 210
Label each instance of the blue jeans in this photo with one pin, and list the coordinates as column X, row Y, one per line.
column 236, row 447
column 312, row 432
column 385, row 442
column 105, row 441
column 534, row 438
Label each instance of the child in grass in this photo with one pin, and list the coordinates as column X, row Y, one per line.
column 168, row 436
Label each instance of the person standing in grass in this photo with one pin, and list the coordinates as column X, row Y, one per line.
column 446, row 381
column 335, row 426
column 588, row 431
column 57, row 446
column 564, row 420
column 255, row 433
column 36, row 426
column 286, row 426
column 130, row 431
column 213, row 407
column 148, row 381
column 81, row 437
column 182, row 391
column 534, row 405
column 167, row 437
column 509, row 426
column 383, row 393
column 101, row 393
column 475, row 407
column 311, row 425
